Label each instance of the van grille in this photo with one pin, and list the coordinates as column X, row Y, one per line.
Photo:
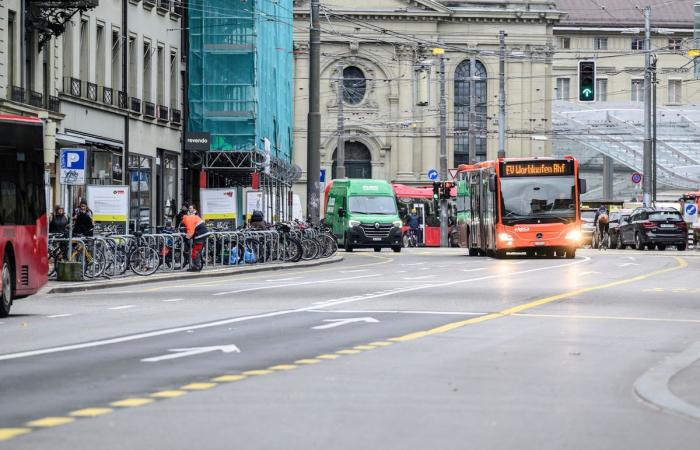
column 372, row 231
column 24, row 276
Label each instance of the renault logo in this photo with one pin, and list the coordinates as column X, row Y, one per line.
column 376, row 225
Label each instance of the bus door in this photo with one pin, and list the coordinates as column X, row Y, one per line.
column 475, row 226
column 420, row 212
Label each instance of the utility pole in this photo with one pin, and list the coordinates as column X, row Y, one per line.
column 443, row 144
column 646, row 182
column 502, row 94
column 313, row 141
column 340, row 152
column 653, row 130
column 472, row 110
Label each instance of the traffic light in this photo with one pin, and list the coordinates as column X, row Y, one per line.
column 586, row 81
column 446, row 190
column 436, row 190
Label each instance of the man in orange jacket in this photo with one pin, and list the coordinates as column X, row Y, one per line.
column 196, row 230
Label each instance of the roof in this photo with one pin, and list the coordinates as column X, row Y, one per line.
column 623, row 13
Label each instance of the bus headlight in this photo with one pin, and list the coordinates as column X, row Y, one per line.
column 505, row 237
column 353, row 223
column 398, row 223
column 573, row 235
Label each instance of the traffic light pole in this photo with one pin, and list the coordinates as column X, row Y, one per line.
column 443, row 148
column 313, row 156
column 647, row 180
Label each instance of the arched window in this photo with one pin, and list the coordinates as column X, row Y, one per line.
column 354, row 85
column 461, row 126
column 358, row 160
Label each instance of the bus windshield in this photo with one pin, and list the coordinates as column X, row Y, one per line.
column 361, row 204
column 542, row 198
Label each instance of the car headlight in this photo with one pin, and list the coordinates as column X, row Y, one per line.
column 353, row 223
column 398, row 223
column 505, row 237
column 573, row 235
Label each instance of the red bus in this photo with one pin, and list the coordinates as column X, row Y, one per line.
column 420, row 198
column 23, row 219
column 526, row 205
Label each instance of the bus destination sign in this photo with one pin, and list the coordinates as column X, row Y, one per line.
column 537, row 168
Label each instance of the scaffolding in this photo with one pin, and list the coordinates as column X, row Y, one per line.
column 240, row 91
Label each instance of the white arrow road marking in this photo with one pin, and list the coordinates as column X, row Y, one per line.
column 627, row 264
column 185, row 352
column 339, row 322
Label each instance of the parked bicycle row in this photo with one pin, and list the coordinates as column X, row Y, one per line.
column 112, row 255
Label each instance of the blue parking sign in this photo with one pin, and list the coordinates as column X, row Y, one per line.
column 72, row 166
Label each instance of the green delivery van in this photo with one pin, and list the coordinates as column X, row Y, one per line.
column 362, row 214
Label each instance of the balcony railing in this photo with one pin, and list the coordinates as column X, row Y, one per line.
column 76, row 87
column 175, row 116
column 122, row 100
column 91, row 91
column 136, row 105
column 54, row 104
column 163, row 113
column 107, row 96
column 17, row 94
column 36, row 99
column 149, row 110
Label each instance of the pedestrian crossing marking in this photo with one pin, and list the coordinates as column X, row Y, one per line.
column 48, row 422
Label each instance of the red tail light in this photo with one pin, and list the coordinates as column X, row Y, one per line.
column 682, row 225
column 648, row 224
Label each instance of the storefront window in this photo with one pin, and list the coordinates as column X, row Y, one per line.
column 140, row 187
column 105, row 167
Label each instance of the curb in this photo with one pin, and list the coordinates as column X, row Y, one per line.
column 179, row 276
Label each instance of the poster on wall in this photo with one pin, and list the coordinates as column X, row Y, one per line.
column 297, row 213
column 218, row 204
column 108, row 203
column 253, row 202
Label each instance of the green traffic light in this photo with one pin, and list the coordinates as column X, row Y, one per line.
column 586, row 81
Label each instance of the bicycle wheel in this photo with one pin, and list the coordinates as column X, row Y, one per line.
column 144, row 261
column 292, row 250
column 311, row 249
column 328, row 244
column 94, row 263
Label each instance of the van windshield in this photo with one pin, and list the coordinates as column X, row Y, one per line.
column 362, row 204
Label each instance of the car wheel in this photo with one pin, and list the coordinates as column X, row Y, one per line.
column 396, row 249
column 6, row 300
column 681, row 248
column 638, row 244
column 377, row 249
column 661, row 247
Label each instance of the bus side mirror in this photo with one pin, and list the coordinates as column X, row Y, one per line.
column 492, row 183
column 582, row 186
column 341, row 212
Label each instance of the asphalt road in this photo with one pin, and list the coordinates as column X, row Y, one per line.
column 423, row 349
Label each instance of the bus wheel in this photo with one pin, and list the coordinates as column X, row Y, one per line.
column 571, row 253
column 6, row 301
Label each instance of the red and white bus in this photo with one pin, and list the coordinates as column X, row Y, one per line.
column 23, row 219
column 420, row 198
column 520, row 205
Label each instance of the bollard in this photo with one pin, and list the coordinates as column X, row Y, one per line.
column 69, row 271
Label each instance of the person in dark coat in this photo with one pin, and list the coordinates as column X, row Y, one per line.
column 83, row 223
column 184, row 209
column 59, row 221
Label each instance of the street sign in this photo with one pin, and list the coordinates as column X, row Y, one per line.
column 323, row 176
column 636, row 178
column 691, row 212
column 72, row 166
column 433, row 174
column 453, row 173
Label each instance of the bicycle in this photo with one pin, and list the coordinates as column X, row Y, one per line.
column 604, row 243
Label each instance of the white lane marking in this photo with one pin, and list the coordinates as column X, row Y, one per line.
column 122, row 307
column 474, row 270
column 260, row 288
column 354, row 271
column 171, row 300
column 189, row 328
column 381, row 311
column 401, row 271
column 332, row 323
column 412, row 264
column 627, row 264
column 588, row 273
column 419, row 278
column 284, row 279
column 56, row 316
column 185, row 352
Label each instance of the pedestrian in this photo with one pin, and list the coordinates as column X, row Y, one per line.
column 184, row 210
column 196, row 231
column 59, row 220
column 257, row 220
column 84, row 225
column 413, row 222
column 192, row 210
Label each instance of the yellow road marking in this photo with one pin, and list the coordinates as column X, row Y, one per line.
column 48, row 422
column 198, row 386
column 91, row 412
column 328, row 357
column 229, row 378
column 284, row 367
column 577, row 316
column 380, row 343
column 543, row 301
column 132, row 402
column 364, row 347
column 257, row 372
column 9, row 433
column 168, row 394
column 307, row 361
column 348, row 351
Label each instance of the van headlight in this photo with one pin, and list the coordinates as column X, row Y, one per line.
column 353, row 223
column 398, row 223
column 573, row 235
column 505, row 237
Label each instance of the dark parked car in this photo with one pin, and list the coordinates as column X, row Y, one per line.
column 651, row 227
column 616, row 218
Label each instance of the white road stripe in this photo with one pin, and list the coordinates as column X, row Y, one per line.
column 379, row 311
column 122, row 307
column 170, row 300
column 134, row 337
column 260, row 288
column 284, row 279
column 474, row 270
column 56, row 316
column 419, row 278
column 354, row 271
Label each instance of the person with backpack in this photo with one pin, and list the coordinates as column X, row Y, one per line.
column 602, row 223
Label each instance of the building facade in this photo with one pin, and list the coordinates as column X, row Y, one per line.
column 391, row 82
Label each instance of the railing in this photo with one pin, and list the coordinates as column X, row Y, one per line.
column 175, row 116
column 107, row 97
column 162, row 113
column 54, row 104
column 36, row 99
column 149, row 110
column 91, row 91
column 122, row 99
column 17, row 94
column 136, row 105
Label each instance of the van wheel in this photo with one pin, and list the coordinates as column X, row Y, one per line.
column 347, row 246
column 6, row 300
column 396, row 249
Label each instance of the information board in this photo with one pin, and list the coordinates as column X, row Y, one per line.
column 537, row 168
column 108, row 203
column 218, row 204
column 253, row 202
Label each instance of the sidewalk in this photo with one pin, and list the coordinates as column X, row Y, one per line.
column 57, row 287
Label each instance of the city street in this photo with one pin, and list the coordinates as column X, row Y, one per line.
column 424, row 349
